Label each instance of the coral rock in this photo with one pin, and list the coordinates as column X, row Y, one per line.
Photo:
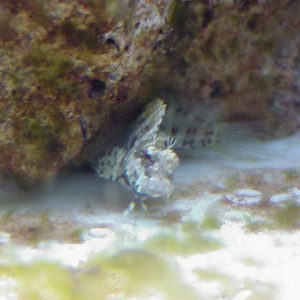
column 78, row 72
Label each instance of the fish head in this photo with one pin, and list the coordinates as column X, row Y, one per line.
column 150, row 168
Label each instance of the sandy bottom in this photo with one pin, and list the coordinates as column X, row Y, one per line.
column 231, row 230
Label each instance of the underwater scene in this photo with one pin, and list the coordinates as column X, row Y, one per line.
column 150, row 150
column 229, row 230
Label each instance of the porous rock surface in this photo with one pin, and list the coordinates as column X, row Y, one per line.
column 78, row 71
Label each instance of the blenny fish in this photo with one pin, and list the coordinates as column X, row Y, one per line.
column 146, row 161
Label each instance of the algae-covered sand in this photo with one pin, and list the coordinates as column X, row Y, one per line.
column 229, row 231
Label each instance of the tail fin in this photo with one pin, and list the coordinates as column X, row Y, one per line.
column 242, row 140
column 235, row 140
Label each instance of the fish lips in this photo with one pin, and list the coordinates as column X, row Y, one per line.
column 155, row 186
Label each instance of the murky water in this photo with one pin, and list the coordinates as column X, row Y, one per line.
column 229, row 231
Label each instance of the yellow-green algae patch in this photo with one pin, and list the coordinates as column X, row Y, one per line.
column 257, row 225
column 137, row 273
column 211, row 222
column 231, row 182
column 51, row 69
column 291, row 174
column 288, row 217
column 41, row 280
column 127, row 274
column 190, row 239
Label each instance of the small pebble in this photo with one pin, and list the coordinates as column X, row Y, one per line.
column 242, row 200
column 279, row 198
column 247, row 192
column 101, row 233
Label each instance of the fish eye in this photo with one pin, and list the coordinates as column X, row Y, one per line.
column 147, row 155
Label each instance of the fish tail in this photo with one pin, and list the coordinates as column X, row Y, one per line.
column 241, row 140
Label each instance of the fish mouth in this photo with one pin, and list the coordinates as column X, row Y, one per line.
column 155, row 187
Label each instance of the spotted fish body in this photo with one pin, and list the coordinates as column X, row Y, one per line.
column 145, row 163
column 200, row 130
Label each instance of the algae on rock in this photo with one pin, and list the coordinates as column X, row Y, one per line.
column 75, row 74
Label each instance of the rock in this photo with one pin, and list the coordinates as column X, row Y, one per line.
column 244, row 196
column 244, row 55
column 65, row 67
column 247, row 192
column 280, row 198
column 242, row 200
column 75, row 74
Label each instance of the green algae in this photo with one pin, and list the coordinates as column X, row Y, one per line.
column 47, row 92
column 41, row 138
column 6, row 217
column 137, row 273
column 46, row 280
column 210, row 275
column 184, row 244
column 291, row 174
column 177, row 17
column 231, row 182
column 284, row 217
column 287, row 217
column 41, row 280
column 33, row 129
column 51, row 71
column 252, row 225
column 77, row 234
column 211, row 222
